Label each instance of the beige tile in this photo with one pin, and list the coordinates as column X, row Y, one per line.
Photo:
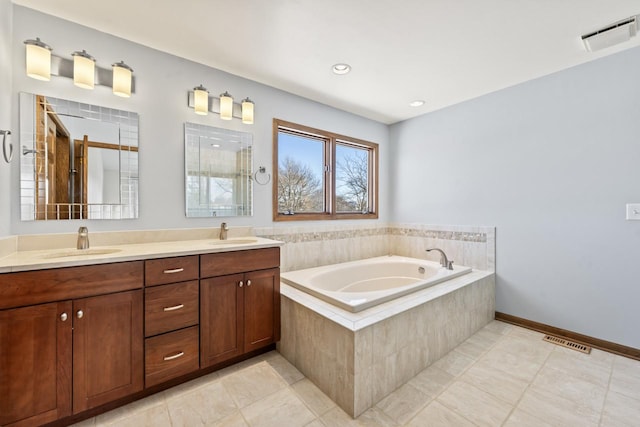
column 286, row 370
column 520, row 367
column 201, row 406
column 556, row 410
column 404, row 403
column 157, row 416
column 192, row 385
column 587, row 367
column 280, row 408
column 234, row 420
column 454, row 363
column 315, row 423
column 470, row 349
column 132, row 408
column 374, row 417
column 520, row 418
column 432, row 381
column 252, row 384
column 625, row 378
column 485, row 339
column 534, row 350
column 499, row 327
column 475, row 404
column 313, row 397
column 620, row 410
column 583, row 393
column 437, row 415
column 86, row 423
column 498, row 383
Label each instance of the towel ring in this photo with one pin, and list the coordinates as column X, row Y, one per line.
column 7, row 157
column 262, row 170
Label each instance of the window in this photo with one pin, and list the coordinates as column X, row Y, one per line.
column 322, row 175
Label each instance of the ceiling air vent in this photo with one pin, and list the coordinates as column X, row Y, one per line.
column 619, row 32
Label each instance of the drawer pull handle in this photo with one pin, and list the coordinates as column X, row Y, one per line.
column 175, row 356
column 175, row 307
column 248, row 282
column 173, row 270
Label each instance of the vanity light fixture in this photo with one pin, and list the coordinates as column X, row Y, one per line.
column 226, row 106
column 41, row 64
column 201, row 100
column 247, row 111
column 84, row 70
column 202, row 103
column 38, row 59
column 121, row 79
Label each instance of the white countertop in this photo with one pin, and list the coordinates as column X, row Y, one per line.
column 68, row 257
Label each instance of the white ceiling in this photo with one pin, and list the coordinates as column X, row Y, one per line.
column 441, row 51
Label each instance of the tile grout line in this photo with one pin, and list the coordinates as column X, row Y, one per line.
column 515, row 406
column 606, row 395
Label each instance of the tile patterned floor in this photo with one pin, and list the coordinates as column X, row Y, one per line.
column 501, row 376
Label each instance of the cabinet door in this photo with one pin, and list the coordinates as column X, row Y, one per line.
column 261, row 309
column 221, row 314
column 107, row 348
column 35, row 364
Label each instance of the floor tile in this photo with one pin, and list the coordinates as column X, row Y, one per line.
column 474, row 404
column 499, row 327
column 313, row 397
column 201, row 406
column 625, row 378
column 471, row 349
column 234, row 420
column 454, row 363
column 581, row 392
column 286, row 370
column 534, row 350
column 500, row 384
column 555, row 410
column 584, row 366
column 520, row 367
column 157, row 416
column 520, row 418
column 278, row 409
column 252, row 383
column 404, row 403
column 432, row 381
column 373, row 417
column 132, row 408
column 437, row 415
column 620, row 410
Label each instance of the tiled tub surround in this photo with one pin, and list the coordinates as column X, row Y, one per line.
column 359, row 358
column 313, row 246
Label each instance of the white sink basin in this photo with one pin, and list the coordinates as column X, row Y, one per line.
column 80, row 252
column 234, row 242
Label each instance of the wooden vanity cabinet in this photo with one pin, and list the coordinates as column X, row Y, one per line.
column 240, row 307
column 64, row 350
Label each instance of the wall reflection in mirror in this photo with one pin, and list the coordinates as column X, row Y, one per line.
column 218, row 171
column 78, row 161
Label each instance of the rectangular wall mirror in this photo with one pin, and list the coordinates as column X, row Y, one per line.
column 218, row 171
column 77, row 161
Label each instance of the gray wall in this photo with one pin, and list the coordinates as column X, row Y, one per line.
column 162, row 83
column 6, row 21
column 551, row 163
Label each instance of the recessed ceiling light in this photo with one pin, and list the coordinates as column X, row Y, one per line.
column 341, row 68
column 215, row 145
column 416, row 103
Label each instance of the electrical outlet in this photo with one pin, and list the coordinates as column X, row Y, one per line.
column 633, row 211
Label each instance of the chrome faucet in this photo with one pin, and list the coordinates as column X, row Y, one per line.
column 444, row 261
column 223, row 231
column 83, row 238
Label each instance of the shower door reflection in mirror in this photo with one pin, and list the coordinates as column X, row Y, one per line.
column 78, row 161
column 218, row 171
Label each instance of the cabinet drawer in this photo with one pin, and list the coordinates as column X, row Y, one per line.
column 170, row 307
column 171, row 355
column 224, row 263
column 170, row 270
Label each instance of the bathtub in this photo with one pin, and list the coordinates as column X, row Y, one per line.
column 357, row 285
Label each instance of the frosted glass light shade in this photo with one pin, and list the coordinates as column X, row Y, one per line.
column 84, row 70
column 38, row 59
column 247, row 111
column 226, row 106
column 201, row 100
column 121, row 79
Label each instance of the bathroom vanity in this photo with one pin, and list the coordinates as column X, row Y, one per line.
column 77, row 340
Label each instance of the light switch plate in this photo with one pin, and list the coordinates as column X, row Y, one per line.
column 633, row 211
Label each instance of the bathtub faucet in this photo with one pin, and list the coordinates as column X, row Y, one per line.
column 223, row 231
column 83, row 238
column 444, row 261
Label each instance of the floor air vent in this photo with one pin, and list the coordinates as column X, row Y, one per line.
column 568, row 344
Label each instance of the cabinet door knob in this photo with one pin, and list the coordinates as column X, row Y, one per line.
column 248, row 282
column 80, row 313
column 240, row 284
column 64, row 317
